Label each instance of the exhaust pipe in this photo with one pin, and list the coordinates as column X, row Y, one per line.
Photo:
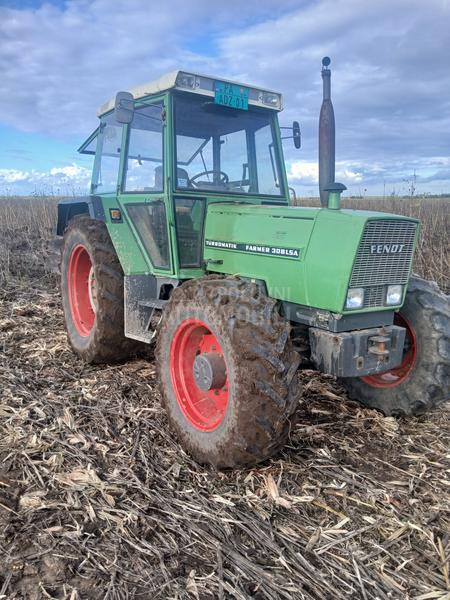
column 326, row 136
column 330, row 191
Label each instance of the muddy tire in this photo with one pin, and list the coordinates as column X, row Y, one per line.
column 423, row 380
column 247, row 414
column 92, row 293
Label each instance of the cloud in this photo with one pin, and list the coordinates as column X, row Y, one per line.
column 58, row 180
column 390, row 78
column 307, row 172
column 303, row 172
column 349, row 176
column 71, row 172
column 59, row 63
column 13, row 175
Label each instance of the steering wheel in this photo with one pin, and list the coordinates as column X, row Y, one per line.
column 224, row 179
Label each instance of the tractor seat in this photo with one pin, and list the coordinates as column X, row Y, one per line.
column 183, row 180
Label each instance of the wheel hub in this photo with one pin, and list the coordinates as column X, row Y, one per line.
column 198, row 370
column 210, row 372
column 398, row 375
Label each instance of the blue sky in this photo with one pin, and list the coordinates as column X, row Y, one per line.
column 60, row 60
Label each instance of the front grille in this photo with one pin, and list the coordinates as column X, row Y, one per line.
column 374, row 296
column 371, row 268
column 375, row 270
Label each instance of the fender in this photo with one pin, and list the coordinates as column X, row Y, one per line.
column 78, row 205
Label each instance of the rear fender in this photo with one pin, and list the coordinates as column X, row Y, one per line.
column 70, row 207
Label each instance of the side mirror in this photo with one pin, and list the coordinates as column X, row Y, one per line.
column 296, row 134
column 124, row 107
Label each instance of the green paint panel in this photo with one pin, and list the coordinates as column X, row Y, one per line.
column 133, row 199
column 267, row 226
column 130, row 255
column 327, row 239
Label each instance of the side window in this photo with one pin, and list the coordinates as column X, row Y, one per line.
column 90, row 145
column 189, row 216
column 108, row 147
column 151, row 224
column 144, row 168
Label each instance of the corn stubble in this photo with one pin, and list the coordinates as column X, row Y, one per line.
column 97, row 500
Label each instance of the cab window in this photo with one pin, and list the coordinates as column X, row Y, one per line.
column 222, row 149
column 108, row 152
column 144, row 166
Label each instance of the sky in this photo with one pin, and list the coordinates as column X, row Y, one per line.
column 61, row 59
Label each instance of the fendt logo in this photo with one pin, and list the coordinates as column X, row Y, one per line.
column 386, row 248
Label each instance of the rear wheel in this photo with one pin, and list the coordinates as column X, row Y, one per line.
column 227, row 371
column 92, row 293
column 422, row 381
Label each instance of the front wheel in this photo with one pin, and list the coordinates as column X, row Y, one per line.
column 422, row 381
column 227, row 371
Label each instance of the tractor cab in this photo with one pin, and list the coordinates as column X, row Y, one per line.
column 167, row 149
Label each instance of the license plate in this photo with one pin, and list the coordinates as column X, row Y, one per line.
column 229, row 94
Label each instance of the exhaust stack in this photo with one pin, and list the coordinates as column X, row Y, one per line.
column 326, row 136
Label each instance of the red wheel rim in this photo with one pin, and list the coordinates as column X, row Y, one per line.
column 396, row 376
column 204, row 409
column 82, row 290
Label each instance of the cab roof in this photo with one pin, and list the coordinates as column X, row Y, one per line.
column 198, row 84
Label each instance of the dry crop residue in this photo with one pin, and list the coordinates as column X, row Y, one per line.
column 97, row 500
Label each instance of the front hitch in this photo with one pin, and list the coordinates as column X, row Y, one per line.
column 357, row 353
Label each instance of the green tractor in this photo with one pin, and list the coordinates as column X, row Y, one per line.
column 189, row 239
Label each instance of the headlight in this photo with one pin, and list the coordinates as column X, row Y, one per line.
column 271, row 99
column 355, row 298
column 186, row 80
column 394, row 294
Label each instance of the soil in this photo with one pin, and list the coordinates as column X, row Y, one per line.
column 98, row 500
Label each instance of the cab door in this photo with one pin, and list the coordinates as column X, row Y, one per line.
column 143, row 193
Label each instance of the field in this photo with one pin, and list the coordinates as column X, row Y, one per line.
column 97, row 500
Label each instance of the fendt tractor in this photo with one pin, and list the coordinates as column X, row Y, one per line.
column 189, row 239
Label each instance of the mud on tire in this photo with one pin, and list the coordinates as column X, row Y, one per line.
column 427, row 385
column 261, row 365
column 105, row 342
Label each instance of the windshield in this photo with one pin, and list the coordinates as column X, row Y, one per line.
column 224, row 149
